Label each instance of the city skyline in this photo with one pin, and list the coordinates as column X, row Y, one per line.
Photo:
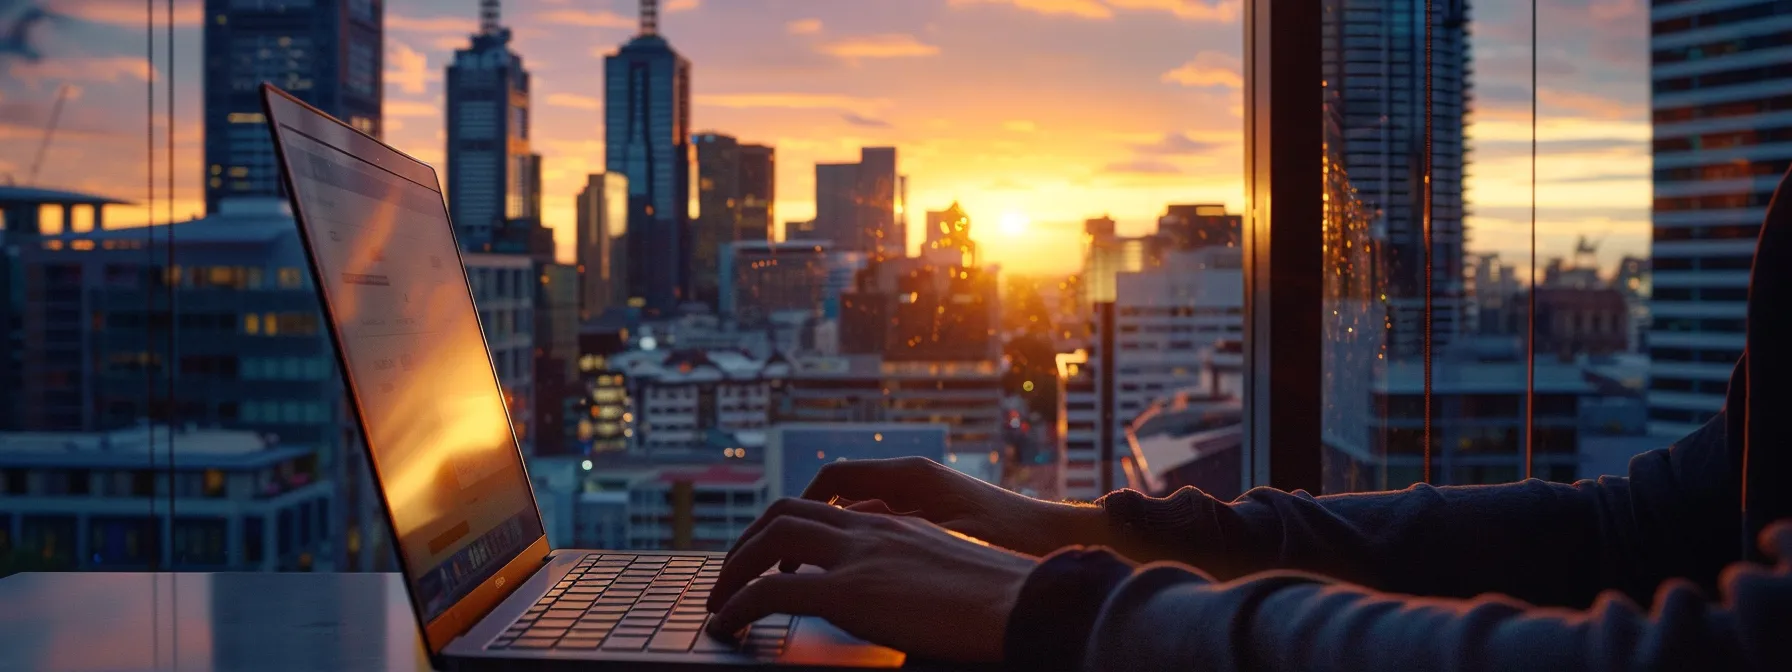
column 1054, row 143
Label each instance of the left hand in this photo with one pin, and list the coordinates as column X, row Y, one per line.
column 901, row 582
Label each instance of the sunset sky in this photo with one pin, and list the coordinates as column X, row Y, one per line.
column 1046, row 112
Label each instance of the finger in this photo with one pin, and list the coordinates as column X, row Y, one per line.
column 792, row 538
column 892, row 480
column 791, row 507
column 795, row 594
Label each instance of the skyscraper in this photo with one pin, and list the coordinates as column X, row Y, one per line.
column 1381, row 105
column 492, row 176
column 647, row 132
column 329, row 55
column 734, row 195
column 1719, row 112
column 602, row 241
column 860, row 206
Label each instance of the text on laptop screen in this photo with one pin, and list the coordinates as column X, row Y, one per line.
column 434, row 412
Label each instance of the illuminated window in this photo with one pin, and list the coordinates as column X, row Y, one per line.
column 252, row 324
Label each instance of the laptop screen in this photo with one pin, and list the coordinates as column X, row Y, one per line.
column 433, row 411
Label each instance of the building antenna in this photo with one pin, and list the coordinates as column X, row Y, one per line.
column 488, row 17
column 650, row 17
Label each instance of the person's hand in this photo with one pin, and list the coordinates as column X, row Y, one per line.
column 919, row 487
column 899, row 582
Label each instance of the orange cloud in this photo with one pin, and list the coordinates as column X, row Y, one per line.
column 83, row 69
column 406, row 68
column 793, row 101
column 1210, row 68
column 892, row 45
column 1089, row 9
column 574, row 101
column 431, row 24
column 591, row 19
column 129, row 14
column 1223, row 11
column 803, row 27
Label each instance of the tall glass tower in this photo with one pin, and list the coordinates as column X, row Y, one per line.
column 493, row 177
column 326, row 52
column 1723, row 123
column 1375, row 57
column 647, row 139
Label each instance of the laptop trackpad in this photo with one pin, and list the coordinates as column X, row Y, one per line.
column 814, row 641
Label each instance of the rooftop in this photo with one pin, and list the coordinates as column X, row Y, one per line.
column 10, row 195
column 131, row 448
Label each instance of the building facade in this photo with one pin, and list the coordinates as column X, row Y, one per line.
column 80, row 501
column 735, row 188
column 1375, row 58
column 861, row 206
column 760, row 279
column 1722, row 141
column 602, row 240
column 504, row 288
column 647, row 138
column 329, row 53
column 492, row 176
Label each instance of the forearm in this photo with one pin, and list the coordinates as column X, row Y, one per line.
column 1546, row 543
column 1170, row 617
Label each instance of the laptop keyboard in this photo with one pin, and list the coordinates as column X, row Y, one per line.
column 631, row 603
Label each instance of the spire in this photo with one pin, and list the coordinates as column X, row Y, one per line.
column 488, row 17
column 650, row 17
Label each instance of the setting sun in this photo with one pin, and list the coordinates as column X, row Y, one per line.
column 1012, row 224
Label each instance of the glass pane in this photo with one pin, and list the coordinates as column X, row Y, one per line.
column 1578, row 408
column 705, row 266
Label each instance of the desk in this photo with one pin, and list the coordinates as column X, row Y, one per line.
column 250, row 622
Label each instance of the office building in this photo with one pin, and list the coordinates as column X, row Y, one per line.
column 948, row 241
column 1168, row 326
column 251, row 354
column 329, row 55
column 1571, row 322
column 1107, row 254
column 638, row 505
column 558, row 389
column 760, row 279
column 492, row 176
column 735, row 188
column 964, row 395
column 861, row 206
column 605, row 424
column 1484, row 440
column 1379, row 105
column 796, row 452
column 647, row 139
column 78, row 501
column 1201, row 225
column 602, row 241
column 1719, row 107
column 504, row 286
column 693, row 400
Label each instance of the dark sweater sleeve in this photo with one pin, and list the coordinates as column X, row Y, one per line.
column 1545, row 543
column 1168, row 617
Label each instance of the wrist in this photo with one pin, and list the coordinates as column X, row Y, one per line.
column 1084, row 525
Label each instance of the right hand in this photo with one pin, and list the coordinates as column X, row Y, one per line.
column 923, row 488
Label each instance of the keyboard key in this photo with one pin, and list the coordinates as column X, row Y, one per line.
column 555, row 622
column 558, row 612
column 708, row 644
column 572, row 642
column 655, row 614
column 632, row 632
column 532, row 643
column 624, row 643
column 641, row 622
column 687, row 617
column 608, row 609
column 545, row 632
column 682, row 625
column 672, row 641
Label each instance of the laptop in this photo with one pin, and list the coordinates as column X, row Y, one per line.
column 487, row 589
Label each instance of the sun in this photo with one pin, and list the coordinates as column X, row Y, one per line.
column 1012, row 224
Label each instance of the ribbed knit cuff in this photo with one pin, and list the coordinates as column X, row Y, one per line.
column 1049, row 628
column 1147, row 529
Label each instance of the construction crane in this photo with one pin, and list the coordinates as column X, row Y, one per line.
column 43, row 146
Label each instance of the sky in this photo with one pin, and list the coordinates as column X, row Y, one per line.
column 1034, row 114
